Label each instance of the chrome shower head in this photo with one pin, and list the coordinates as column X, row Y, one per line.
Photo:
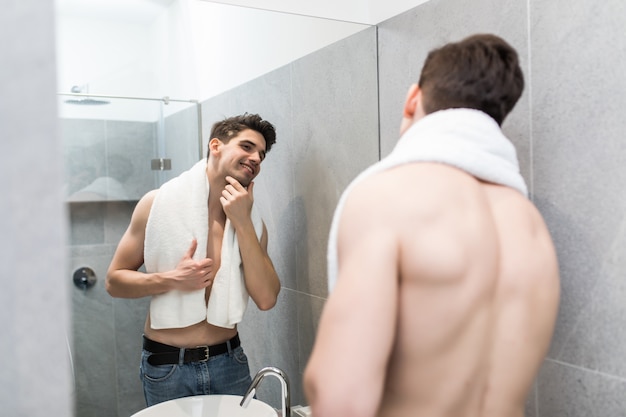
column 86, row 101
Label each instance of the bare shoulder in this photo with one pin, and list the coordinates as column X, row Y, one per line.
column 523, row 231
column 145, row 203
column 514, row 212
column 129, row 252
column 142, row 209
column 405, row 188
column 372, row 202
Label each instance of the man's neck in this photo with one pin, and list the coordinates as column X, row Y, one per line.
column 216, row 185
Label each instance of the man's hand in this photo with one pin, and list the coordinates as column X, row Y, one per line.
column 237, row 201
column 191, row 275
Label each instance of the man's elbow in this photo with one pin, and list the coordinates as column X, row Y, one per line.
column 330, row 396
column 109, row 285
column 267, row 303
column 309, row 386
column 317, row 396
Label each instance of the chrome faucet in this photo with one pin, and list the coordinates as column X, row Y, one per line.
column 284, row 384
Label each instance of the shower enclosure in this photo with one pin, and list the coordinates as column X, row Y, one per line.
column 116, row 149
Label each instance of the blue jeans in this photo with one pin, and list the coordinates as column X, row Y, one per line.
column 222, row 374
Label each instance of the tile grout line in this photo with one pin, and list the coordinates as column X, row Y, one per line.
column 581, row 368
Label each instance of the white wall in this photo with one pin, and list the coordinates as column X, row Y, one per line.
column 105, row 55
column 232, row 45
column 190, row 49
column 369, row 12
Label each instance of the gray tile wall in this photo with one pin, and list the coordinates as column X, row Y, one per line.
column 120, row 150
column 569, row 131
column 35, row 379
column 578, row 66
column 107, row 342
column 182, row 139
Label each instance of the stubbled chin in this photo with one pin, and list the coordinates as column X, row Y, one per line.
column 245, row 181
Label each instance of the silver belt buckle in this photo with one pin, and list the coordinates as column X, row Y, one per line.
column 206, row 353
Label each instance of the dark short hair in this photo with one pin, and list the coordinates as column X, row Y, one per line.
column 481, row 72
column 230, row 127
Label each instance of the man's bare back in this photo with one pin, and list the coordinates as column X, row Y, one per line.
column 465, row 319
column 458, row 304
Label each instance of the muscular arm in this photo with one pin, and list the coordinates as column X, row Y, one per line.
column 261, row 279
column 346, row 373
column 124, row 281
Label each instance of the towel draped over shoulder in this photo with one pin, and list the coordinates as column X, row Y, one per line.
column 464, row 138
column 178, row 215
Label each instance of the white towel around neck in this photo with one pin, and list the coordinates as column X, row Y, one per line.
column 464, row 138
column 178, row 215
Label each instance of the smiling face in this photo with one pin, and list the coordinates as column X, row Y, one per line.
column 241, row 156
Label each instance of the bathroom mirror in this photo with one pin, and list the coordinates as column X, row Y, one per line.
column 130, row 74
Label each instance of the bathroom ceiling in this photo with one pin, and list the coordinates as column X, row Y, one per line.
column 142, row 11
column 370, row 12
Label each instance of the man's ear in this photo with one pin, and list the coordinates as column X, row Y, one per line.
column 214, row 145
column 411, row 101
column 412, row 107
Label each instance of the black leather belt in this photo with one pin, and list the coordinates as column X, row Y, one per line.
column 162, row 354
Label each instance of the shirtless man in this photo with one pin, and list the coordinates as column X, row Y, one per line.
column 236, row 149
column 448, row 288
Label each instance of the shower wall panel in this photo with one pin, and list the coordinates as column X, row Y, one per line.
column 108, row 159
column 107, row 331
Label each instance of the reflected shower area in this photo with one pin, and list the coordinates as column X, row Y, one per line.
column 116, row 149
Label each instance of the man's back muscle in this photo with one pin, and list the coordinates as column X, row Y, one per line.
column 477, row 280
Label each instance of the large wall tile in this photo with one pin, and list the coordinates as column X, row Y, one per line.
column 336, row 136
column 270, row 338
column 405, row 40
column 93, row 342
column 182, row 141
column 130, row 147
column 571, row 391
column 213, row 110
column 84, row 144
column 129, row 317
column 86, row 223
column 578, row 62
column 108, row 159
column 270, row 97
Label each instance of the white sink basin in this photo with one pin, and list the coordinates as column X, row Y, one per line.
column 208, row 406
